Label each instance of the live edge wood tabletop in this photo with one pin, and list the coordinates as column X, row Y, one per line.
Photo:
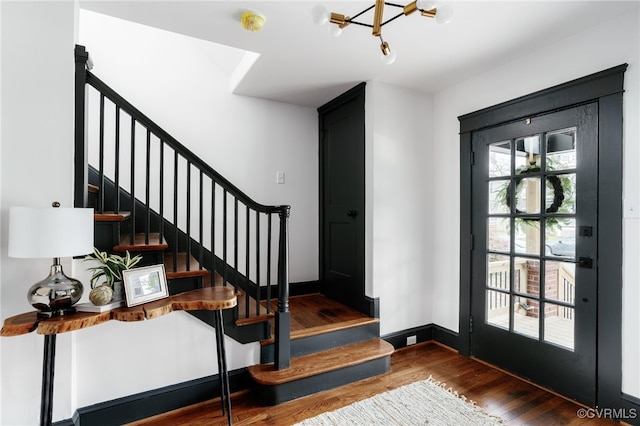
column 208, row 298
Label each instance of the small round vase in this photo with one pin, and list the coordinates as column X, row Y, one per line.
column 101, row 295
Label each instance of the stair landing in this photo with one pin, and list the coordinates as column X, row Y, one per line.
column 331, row 345
column 313, row 313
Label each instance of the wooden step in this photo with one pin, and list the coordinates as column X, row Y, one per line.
column 111, row 216
column 93, row 189
column 139, row 245
column 321, row 371
column 181, row 267
column 253, row 318
column 316, row 315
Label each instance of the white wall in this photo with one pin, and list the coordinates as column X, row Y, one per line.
column 179, row 83
column 398, row 204
column 611, row 43
column 36, row 167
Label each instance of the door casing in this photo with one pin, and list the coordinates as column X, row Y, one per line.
column 606, row 89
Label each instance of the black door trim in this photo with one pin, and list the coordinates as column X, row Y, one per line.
column 605, row 88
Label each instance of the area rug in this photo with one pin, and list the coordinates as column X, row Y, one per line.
column 427, row 402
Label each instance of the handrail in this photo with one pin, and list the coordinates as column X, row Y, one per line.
column 180, row 227
column 140, row 117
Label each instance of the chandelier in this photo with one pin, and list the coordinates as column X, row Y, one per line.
column 430, row 9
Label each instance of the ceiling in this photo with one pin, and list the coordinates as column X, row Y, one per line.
column 301, row 63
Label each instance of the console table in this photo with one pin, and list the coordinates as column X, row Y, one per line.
column 210, row 298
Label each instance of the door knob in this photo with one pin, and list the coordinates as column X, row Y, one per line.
column 352, row 213
column 585, row 262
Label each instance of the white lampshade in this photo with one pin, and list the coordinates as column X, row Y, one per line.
column 50, row 232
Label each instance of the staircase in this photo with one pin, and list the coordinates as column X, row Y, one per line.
column 331, row 345
column 173, row 209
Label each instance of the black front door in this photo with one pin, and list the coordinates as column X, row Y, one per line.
column 342, row 212
column 535, row 229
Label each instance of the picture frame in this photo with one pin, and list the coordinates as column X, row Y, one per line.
column 145, row 284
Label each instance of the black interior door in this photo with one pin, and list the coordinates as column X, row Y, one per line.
column 342, row 189
column 534, row 261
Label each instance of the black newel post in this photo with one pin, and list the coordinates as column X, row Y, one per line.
column 282, row 352
column 80, row 164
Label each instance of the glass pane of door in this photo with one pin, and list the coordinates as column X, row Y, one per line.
column 527, row 292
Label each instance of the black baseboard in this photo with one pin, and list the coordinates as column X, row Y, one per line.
column 304, row 287
column 630, row 409
column 158, row 401
column 424, row 334
column 295, row 289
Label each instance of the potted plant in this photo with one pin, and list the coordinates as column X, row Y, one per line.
column 110, row 268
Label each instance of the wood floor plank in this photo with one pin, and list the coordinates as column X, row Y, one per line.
column 516, row 401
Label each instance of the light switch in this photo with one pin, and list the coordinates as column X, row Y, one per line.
column 280, row 177
column 631, row 208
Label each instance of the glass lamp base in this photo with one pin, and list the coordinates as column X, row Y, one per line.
column 56, row 294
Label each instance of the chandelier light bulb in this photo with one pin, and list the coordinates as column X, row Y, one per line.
column 388, row 55
column 425, row 4
column 320, row 15
column 334, row 30
column 390, row 58
column 444, row 14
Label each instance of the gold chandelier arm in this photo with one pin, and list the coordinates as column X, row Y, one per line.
column 339, row 19
column 377, row 18
column 410, row 8
column 430, row 13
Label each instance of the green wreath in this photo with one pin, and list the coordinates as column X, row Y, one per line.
column 554, row 181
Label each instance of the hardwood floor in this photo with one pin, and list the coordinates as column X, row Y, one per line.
column 514, row 400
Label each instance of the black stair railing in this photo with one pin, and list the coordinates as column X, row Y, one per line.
column 173, row 195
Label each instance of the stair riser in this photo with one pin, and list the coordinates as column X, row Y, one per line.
column 321, row 342
column 107, row 234
column 180, row 285
column 277, row 394
column 245, row 334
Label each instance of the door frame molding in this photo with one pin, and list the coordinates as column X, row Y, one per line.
column 606, row 89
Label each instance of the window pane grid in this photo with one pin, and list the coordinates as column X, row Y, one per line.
column 530, row 224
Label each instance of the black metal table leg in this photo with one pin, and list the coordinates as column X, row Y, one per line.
column 223, row 372
column 216, row 321
column 48, row 367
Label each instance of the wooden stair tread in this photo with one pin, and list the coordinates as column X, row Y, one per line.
column 181, row 266
column 155, row 244
column 328, row 328
column 252, row 319
column 111, row 216
column 92, row 189
column 313, row 310
column 321, row 362
column 242, row 319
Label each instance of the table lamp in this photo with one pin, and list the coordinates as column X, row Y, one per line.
column 51, row 232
